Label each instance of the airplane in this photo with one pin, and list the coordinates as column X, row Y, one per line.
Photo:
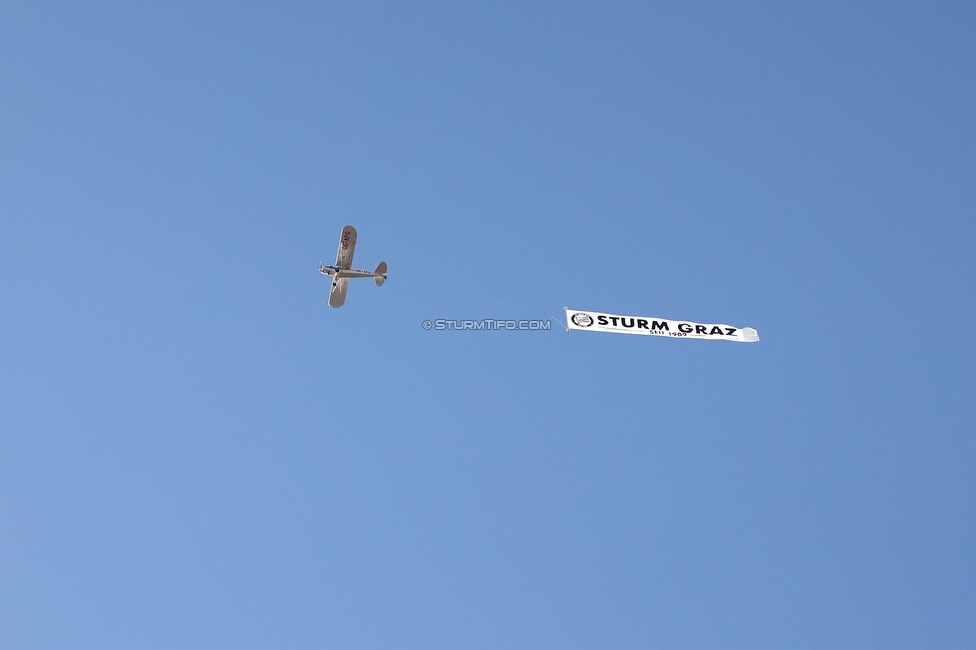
column 342, row 270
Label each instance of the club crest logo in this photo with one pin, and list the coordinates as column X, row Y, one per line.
column 582, row 320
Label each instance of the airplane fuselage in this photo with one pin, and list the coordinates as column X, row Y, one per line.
column 342, row 272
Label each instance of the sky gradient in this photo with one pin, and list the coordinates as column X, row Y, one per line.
column 197, row 452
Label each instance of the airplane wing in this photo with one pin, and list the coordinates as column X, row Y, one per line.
column 338, row 294
column 347, row 246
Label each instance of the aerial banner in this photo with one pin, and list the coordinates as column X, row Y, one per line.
column 599, row 322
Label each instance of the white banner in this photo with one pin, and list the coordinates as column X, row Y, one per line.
column 600, row 322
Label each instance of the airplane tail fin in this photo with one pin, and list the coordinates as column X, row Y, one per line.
column 380, row 274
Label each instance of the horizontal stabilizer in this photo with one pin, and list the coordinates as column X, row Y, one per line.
column 380, row 274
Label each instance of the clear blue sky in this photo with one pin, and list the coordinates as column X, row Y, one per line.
column 197, row 452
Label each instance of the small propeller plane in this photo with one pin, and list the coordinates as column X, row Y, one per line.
column 342, row 270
